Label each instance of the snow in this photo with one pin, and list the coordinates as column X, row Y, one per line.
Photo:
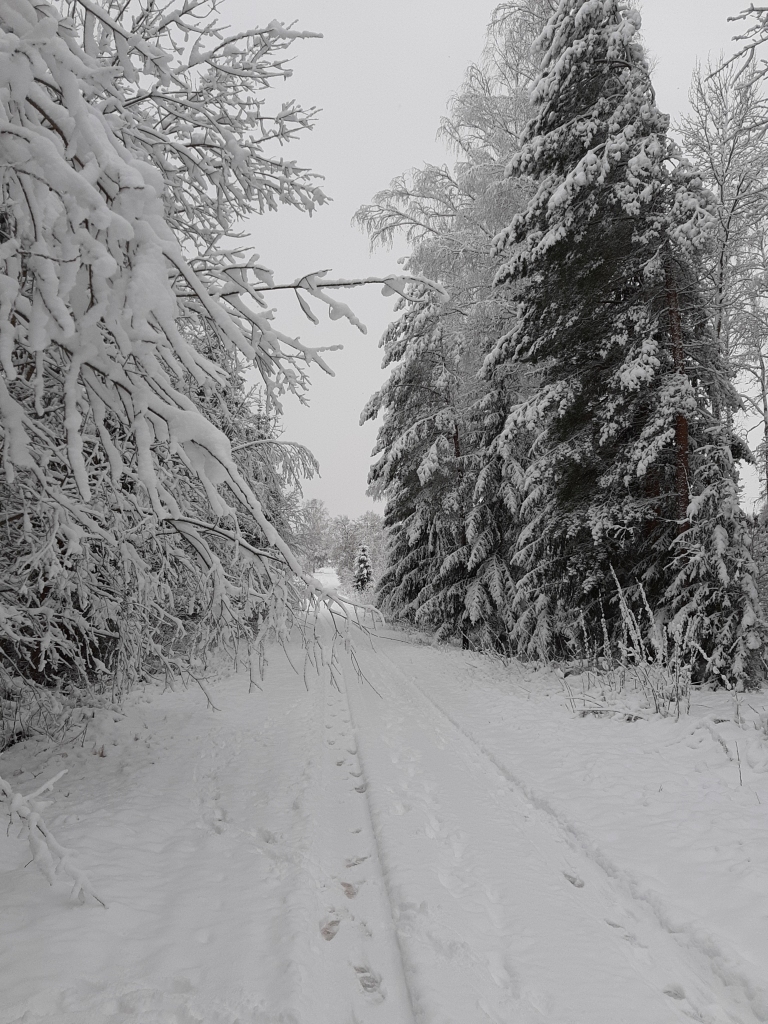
column 448, row 841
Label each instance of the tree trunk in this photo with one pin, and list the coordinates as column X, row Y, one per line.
column 764, row 403
column 456, row 442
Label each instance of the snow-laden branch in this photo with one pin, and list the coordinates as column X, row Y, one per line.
column 49, row 855
column 129, row 152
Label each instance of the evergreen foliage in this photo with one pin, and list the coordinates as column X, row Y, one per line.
column 564, row 437
column 452, row 505
column 420, row 468
column 634, row 468
column 363, row 570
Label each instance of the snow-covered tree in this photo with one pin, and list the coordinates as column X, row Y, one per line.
column 363, row 570
column 312, row 534
column 420, row 467
column 134, row 137
column 370, row 527
column 634, row 467
column 345, row 542
column 451, row 504
column 726, row 136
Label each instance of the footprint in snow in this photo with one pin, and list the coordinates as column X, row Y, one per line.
column 626, row 935
column 370, row 983
column 350, row 891
column 675, row 991
column 328, row 927
column 574, row 880
column 354, row 861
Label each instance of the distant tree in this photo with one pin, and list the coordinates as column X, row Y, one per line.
column 344, row 544
column 313, row 534
column 371, row 529
column 363, row 570
column 348, row 535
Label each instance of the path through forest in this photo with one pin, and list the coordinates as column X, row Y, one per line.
column 445, row 842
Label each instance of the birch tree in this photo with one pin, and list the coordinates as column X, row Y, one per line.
column 133, row 138
column 726, row 136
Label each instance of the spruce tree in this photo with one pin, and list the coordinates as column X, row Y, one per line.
column 452, row 503
column 420, row 468
column 634, row 467
column 363, row 570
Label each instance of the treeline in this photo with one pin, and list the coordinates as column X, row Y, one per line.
column 559, row 447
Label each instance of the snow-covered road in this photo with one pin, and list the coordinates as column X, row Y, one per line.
column 444, row 843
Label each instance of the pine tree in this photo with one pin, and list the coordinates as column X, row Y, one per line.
column 363, row 570
column 634, row 468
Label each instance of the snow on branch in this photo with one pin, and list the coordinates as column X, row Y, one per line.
column 49, row 855
column 754, row 36
column 133, row 138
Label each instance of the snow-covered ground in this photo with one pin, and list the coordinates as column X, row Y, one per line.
column 443, row 843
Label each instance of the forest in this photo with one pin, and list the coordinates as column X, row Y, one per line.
column 562, row 439
column 577, row 357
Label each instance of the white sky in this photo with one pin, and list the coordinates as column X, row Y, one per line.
column 382, row 75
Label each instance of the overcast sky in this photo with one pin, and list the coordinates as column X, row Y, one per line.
column 382, row 74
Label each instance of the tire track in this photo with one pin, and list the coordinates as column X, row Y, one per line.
column 643, row 925
column 702, row 945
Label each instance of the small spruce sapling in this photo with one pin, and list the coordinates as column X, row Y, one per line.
column 363, row 570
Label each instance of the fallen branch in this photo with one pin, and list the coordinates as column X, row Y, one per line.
column 47, row 853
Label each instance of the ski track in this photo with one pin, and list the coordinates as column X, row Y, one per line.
column 692, row 978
